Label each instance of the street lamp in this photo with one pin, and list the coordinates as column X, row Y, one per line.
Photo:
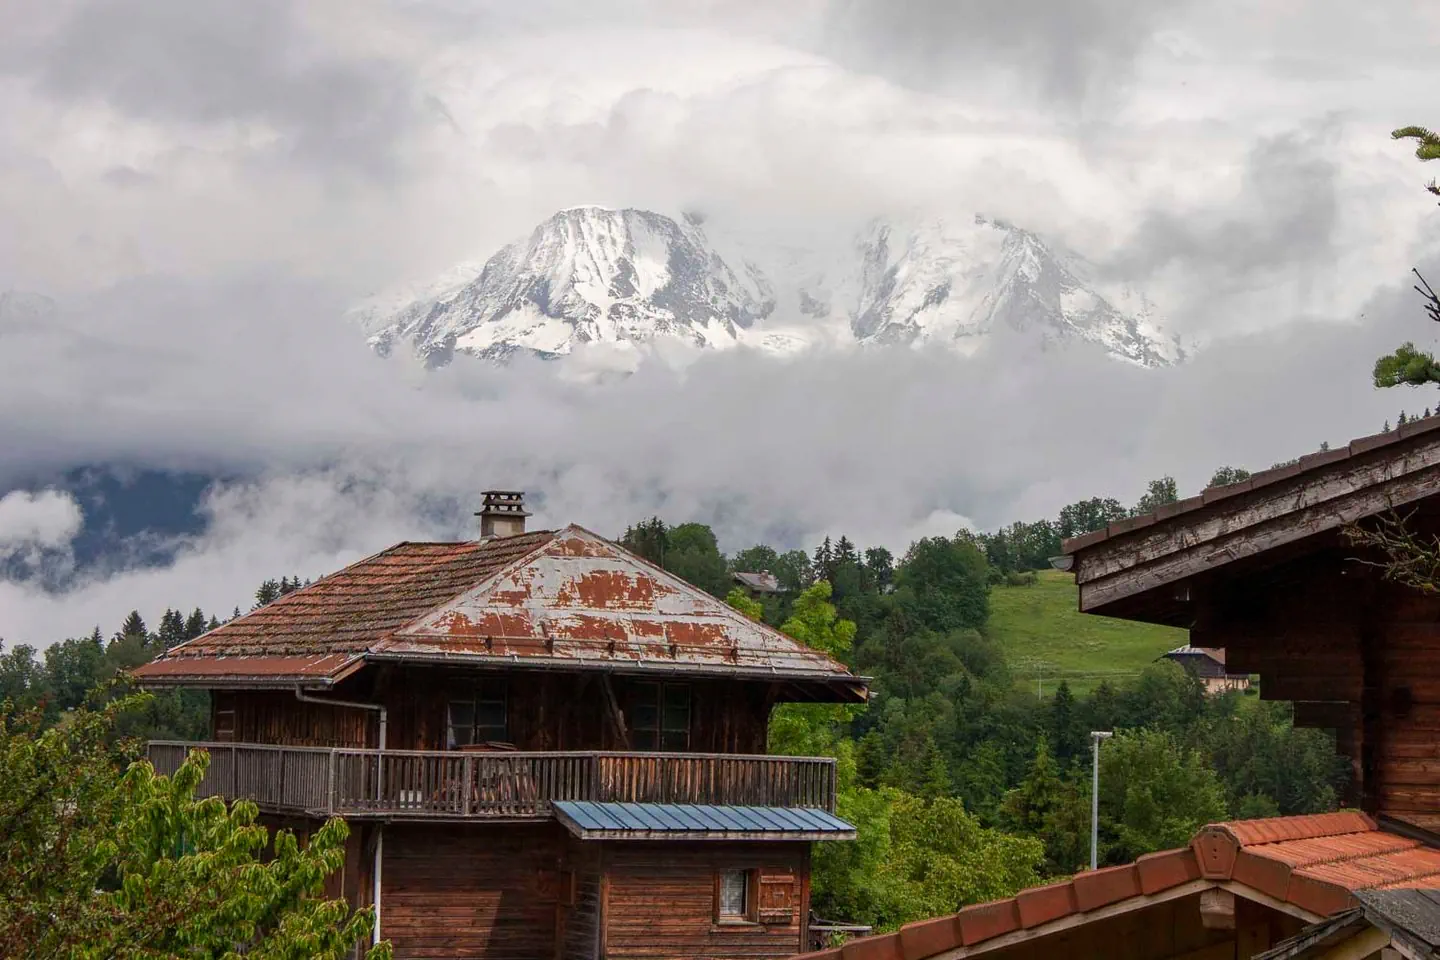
column 1095, row 737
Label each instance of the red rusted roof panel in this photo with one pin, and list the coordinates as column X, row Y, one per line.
column 567, row 596
column 271, row 669
column 580, row 597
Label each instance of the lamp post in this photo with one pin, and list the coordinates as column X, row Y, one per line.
column 1095, row 737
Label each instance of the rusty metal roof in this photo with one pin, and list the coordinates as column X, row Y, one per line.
column 569, row 599
column 1313, row 461
column 1318, row 864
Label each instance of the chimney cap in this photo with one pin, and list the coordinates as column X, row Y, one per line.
column 503, row 503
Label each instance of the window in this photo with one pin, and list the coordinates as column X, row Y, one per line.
column 478, row 716
column 660, row 718
column 732, row 896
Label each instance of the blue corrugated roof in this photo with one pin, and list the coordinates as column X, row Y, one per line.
column 698, row 821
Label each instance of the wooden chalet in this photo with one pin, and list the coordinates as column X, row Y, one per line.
column 546, row 747
column 1263, row 571
column 1208, row 666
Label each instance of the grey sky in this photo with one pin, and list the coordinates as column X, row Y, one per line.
column 203, row 187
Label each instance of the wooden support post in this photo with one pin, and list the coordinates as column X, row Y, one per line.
column 1217, row 909
column 617, row 716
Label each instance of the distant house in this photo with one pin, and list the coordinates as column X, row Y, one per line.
column 1208, row 663
column 759, row 583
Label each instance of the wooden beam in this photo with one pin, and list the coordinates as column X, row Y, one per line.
column 1276, row 501
column 1203, row 545
column 1363, row 944
column 613, row 711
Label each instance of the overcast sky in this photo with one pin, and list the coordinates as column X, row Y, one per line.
column 204, row 186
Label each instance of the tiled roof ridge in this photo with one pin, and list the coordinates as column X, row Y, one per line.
column 1263, row 478
column 1313, row 826
column 1216, row 855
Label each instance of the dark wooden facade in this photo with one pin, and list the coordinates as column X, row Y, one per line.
column 544, row 710
column 532, row 892
column 526, row 890
column 1266, row 571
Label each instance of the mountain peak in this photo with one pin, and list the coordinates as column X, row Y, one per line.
column 630, row 277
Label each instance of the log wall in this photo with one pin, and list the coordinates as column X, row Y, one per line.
column 1357, row 655
column 474, row 893
column 660, row 900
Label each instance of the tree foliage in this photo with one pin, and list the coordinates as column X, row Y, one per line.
column 103, row 858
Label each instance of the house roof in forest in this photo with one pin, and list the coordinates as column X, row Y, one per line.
column 1319, row 493
column 1213, row 653
column 1311, row 866
column 566, row 598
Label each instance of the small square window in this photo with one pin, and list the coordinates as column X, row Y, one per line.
column 733, row 897
column 478, row 716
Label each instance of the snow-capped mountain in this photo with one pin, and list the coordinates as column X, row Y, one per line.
column 634, row 279
column 957, row 283
column 586, row 275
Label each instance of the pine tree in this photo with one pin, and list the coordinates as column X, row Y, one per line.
column 236, row 614
column 1066, row 730
column 172, row 629
column 1402, row 421
column 134, row 626
column 1386, row 428
column 195, row 624
column 269, row 591
column 214, row 623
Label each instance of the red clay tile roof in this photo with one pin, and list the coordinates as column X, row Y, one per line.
column 1313, row 461
column 348, row 611
column 1316, row 863
column 566, row 595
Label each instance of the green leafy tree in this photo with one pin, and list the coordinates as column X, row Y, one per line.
column 22, row 678
column 1408, row 366
column 1085, row 516
column 693, row 555
column 74, row 667
column 942, row 858
column 1157, row 494
column 1228, row 475
column 741, row 601
column 943, row 584
column 100, row 858
column 1154, row 793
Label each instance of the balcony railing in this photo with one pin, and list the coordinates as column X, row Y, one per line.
column 426, row 784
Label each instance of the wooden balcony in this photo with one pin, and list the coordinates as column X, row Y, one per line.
column 441, row 785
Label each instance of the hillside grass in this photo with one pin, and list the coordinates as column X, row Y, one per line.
column 1046, row 637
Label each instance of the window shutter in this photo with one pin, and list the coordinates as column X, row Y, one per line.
column 777, row 897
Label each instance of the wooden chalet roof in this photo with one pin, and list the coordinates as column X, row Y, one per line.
column 565, row 598
column 1318, row 494
column 1311, row 866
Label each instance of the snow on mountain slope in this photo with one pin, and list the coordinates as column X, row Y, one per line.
column 955, row 283
column 632, row 280
column 586, row 275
